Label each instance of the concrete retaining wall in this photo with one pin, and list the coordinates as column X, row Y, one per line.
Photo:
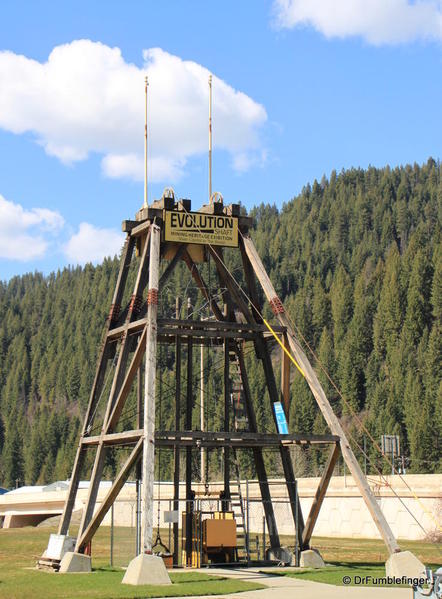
column 343, row 513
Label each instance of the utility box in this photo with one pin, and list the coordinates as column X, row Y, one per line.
column 219, row 533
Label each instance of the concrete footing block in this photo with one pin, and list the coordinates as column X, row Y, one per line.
column 404, row 563
column 75, row 562
column 146, row 569
column 310, row 558
column 280, row 554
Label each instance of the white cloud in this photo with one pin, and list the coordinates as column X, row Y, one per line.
column 92, row 244
column 243, row 161
column 87, row 98
column 132, row 166
column 24, row 233
column 376, row 21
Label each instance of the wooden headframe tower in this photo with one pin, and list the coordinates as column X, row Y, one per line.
column 169, row 232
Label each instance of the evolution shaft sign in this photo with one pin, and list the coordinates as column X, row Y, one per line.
column 197, row 227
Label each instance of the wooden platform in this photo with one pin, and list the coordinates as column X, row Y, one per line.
column 49, row 564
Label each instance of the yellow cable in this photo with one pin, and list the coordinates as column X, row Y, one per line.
column 284, row 348
column 328, row 376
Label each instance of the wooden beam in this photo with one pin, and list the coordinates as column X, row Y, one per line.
column 176, row 449
column 170, row 267
column 140, row 229
column 219, row 439
column 286, row 459
column 73, row 488
column 188, row 426
column 218, row 325
column 285, row 376
column 123, row 438
column 258, row 457
column 136, row 326
column 201, row 334
column 249, row 276
column 119, row 374
column 110, row 497
column 94, row 485
column 227, row 399
column 96, row 387
column 202, row 286
column 321, row 399
column 127, row 341
column 231, row 285
column 262, row 352
column 127, row 384
column 149, row 391
column 319, row 496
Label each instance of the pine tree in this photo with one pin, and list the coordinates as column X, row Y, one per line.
column 388, row 317
column 12, row 456
column 357, row 261
column 341, row 305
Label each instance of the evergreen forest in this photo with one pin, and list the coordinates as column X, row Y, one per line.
column 357, row 260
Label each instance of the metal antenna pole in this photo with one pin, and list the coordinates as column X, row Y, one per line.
column 146, row 83
column 210, row 136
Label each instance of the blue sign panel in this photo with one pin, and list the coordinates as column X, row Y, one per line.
column 281, row 420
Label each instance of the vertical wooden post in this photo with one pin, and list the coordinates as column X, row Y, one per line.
column 127, row 343
column 258, row 457
column 321, row 399
column 189, row 402
column 149, row 390
column 202, row 423
column 286, row 459
column 138, row 466
column 226, row 423
column 176, row 449
column 285, row 377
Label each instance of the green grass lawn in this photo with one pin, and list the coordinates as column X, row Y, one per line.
column 20, row 548
column 335, row 574
column 361, row 557
column 373, row 551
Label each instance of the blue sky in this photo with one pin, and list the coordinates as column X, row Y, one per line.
column 301, row 87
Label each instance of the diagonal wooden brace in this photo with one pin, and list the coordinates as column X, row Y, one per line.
column 110, row 497
column 323, row 403
column 320, row 495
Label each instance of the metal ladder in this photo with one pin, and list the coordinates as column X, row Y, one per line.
column 238, row 511
column 240, row 422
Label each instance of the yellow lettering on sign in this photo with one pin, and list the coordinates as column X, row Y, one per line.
column 197, row 227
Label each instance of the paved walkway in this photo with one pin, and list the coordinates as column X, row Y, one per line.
column 284, row 587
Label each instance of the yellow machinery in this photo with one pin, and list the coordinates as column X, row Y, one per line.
column 213, row 539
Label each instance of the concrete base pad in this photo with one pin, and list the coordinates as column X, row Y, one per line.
column 146, row 569
column 404, row 564
column 75, row 562
column 280, row 554
column 310, row 558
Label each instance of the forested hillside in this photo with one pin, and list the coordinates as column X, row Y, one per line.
column 357, row 260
